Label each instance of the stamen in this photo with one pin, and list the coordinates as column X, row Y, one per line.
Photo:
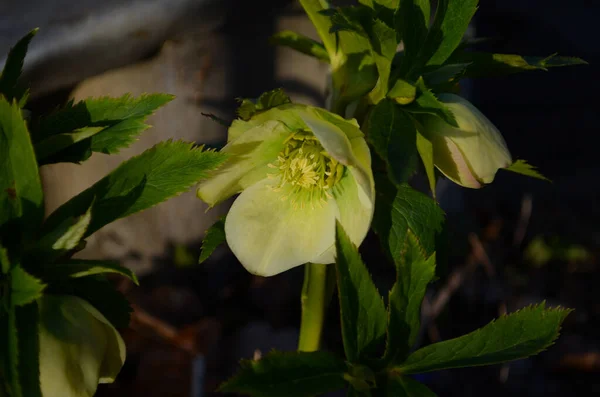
column 306, row 171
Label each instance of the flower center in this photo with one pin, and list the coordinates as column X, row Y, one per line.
column 305, row 169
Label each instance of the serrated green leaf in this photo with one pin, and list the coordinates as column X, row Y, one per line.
column 425, row 149
column 511, row 337
column 77, row 268
column 414, row 271
column 482, row 64
column 214, row 237
column 56, row 242
column 392, row 133
column 362, row 310
column 290, row 374
column 451, row 20
column 164, row 171
column 111, row 139
column 21, row 196
column 524, row 168
column 9, row 78
column 405, row 386
column 122, row 120
column 56, row 143
column 25, row 288
column 427, row 102
column 401, row 208
column 300, row 43
column 100, row 293
column 28, row 340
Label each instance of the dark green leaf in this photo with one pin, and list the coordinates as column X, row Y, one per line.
column 445, row 74
column 511, row 337
column 401, row 208
column 25, row 288
column 214, row 237
column 406, row 387
column 9, row 79
column 76, row 153
column 100, row 293
column 363, row 313
column 21, row 196
column 412, row 21
column 5, row 358
column 4, row 262
column 28, row 339
column 301, row 43
column 19, row 368
column 482, row 64
column 293, row 374
column 362, row 380
column 392, row 133
column 10, row 357
column 524, row 168
column 56, row 143
column 427, row 102
column 76, row 268
column 122, row 120
column 166, row 170
column 425, row 149
column 384, row 44
column 65, row 237
column 451, row 20
column 414, row 270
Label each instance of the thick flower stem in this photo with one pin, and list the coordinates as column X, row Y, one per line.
column 316, row 293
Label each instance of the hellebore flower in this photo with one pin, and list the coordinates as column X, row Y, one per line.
column 79, row 348
column 468, row 155
column 298, row 168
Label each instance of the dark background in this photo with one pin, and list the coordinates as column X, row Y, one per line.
column 219, row 313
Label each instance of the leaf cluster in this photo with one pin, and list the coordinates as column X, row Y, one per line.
column 36, row 249
column 379, row 338
column 390, row 59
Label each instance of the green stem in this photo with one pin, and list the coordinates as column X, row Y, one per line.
column 316, row 293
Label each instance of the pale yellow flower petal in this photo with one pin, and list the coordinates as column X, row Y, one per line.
column 355, row 212
column 79, row 348
column 471, row 154
column 248, row 162
column 269, row 234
